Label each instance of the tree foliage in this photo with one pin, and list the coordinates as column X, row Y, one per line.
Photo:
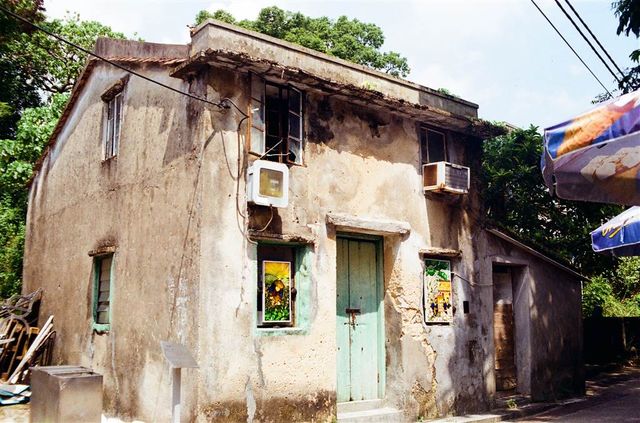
column 628, row 14
column 517, row 199
column 600, row 298
column 50, row 65
column 348, row 39
column 17, row 157
column 32, row 63
column 15, row 92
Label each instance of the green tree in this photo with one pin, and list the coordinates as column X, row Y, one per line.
column 17, row 157
column 50, row 65
column 32, row 63
column 348, row 39
column 599, row 298
column 15, row 92
column 517, row 200
column 628, row 14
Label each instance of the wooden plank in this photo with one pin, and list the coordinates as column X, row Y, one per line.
column 503, row 330
column 46, row 328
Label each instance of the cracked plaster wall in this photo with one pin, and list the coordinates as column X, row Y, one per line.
column 180, row 241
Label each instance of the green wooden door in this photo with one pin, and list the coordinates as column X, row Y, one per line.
column 358, row 322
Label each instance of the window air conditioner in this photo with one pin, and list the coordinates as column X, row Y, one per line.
column 447, row 177
column 268, row 184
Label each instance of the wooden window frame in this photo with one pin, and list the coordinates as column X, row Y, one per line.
column 113, row 116
column 97, row 270
column 257, row 128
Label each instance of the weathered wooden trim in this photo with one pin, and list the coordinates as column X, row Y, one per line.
column 349, row 223
column 292, row 238
column 100, row 251
column 440, row 252
column 115, row 89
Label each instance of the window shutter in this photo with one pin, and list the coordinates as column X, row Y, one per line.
column 294, row 140
column 108, row 130
column 117, row 123
column 256, row 115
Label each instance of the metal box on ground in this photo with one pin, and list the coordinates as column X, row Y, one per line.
column 65, row 394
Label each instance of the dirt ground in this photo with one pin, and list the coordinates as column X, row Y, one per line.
column 15, row 413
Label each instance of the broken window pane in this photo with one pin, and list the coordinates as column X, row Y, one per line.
column 295, row 151
column 282, row 124
column 294, row 126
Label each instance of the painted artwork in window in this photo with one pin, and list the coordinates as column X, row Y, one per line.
column 437, row 291
column 276, row 291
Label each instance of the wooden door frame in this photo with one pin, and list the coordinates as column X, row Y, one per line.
column 379, row 246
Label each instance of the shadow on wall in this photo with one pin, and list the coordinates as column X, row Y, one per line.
column 461, row 346
column 556, row 343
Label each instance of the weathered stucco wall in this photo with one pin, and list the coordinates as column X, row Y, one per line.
column 363, row 163
column 173, row 204
column 143, row 203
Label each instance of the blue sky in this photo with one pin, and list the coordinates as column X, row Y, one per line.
column 501, row 54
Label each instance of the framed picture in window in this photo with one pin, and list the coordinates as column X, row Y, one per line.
column 437, row 291
column 276, row 291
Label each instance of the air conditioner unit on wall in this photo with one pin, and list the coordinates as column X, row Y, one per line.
column 268, row 184
column 446, row 177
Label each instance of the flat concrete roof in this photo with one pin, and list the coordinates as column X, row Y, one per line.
column 213, row 35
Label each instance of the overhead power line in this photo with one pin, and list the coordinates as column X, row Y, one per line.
column 584, row 37
column 572, row 49
column 575, row 12
column 222, row 104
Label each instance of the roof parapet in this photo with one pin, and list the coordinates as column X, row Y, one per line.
column 220, row 36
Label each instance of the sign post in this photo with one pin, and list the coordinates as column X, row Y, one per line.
column 179, row 358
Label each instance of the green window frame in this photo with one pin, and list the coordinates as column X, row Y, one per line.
column 103, row 270
column 300, row 256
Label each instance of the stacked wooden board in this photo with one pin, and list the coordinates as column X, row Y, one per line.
column 22, row 343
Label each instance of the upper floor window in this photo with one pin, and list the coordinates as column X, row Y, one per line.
column 102, row 291
column 433, row 146
column 276, row 121
column 113, row 118
column 112, row 121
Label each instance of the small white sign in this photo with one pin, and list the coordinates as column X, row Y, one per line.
column 178, row 355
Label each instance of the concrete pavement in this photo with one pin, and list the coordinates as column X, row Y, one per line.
column 613, row 397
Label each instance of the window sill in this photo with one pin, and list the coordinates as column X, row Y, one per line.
column 280, row 331
column 110, row 160
column 101, row 328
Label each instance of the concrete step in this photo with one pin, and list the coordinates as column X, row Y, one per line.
column 353, row 406
column 378, row 415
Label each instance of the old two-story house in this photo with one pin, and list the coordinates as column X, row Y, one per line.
column 311, row 233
